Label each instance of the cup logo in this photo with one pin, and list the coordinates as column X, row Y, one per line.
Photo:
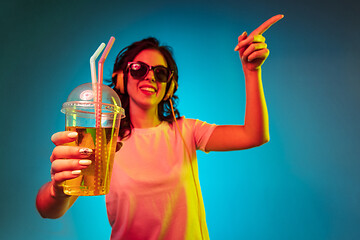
column 87, row 95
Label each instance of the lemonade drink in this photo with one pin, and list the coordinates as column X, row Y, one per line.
column 95, row 179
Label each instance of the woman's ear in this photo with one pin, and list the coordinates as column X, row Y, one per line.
column 119, row 81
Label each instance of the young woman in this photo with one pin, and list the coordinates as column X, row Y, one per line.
column 155, row 191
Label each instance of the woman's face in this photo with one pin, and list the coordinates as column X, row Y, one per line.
column 147, row 93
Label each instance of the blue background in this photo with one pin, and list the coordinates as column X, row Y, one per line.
column 303, row 184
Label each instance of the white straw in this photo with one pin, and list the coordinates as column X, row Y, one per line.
column 93, row 68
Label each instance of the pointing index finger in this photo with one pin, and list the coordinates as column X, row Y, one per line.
column 268, row 23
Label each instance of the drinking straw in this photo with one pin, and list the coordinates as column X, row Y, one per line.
column 94, row 82
column 103, row 57
column 100, row 79
column 98, row 141
column 93, row 68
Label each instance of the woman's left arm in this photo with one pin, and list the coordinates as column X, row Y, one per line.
column 255, row 131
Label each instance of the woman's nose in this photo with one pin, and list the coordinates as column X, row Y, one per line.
column 150, row 75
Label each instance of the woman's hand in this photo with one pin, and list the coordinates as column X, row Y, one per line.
column 252, row 48
column 67, row 160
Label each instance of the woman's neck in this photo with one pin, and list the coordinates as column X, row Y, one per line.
column 141, row 118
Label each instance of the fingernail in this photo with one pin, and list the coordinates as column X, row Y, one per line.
column 85, row 162
column 236, row 48
column 243, row 33
column 73, row 135
column 76, row 172
column 85, row 151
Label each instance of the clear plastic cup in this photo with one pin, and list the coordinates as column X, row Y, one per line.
column 80, row 116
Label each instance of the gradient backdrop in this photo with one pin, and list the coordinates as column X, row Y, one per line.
column 303, row 184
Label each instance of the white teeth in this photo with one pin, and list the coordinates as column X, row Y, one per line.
column 149, row 89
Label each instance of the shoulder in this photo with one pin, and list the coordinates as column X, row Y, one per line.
column 193, row 124
column 183, row 121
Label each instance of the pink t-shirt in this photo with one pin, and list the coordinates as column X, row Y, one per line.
column 153, row 192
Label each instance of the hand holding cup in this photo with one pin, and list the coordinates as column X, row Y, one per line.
column 67, row 160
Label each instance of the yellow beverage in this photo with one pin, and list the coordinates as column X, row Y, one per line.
column 95, row 179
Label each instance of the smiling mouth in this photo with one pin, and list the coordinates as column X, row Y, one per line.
column 148, row 89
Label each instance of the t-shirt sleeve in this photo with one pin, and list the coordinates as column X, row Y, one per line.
column 202, row 132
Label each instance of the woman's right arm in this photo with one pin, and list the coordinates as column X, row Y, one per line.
column 66, row 163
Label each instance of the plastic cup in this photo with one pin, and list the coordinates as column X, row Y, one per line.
column 80, row 116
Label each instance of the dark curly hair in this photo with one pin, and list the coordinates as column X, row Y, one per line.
column 127, row 55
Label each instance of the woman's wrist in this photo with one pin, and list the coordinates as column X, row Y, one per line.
column 252, row 74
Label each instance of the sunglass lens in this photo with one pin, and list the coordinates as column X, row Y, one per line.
column 138, row 70
column 161, row 73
